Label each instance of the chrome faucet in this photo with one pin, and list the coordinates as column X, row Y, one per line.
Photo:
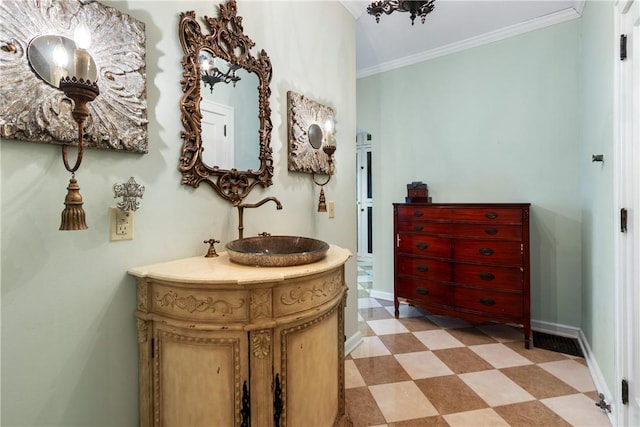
column 242, row 206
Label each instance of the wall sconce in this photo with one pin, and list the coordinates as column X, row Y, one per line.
column 311, row 140
column 212, row 75
column 81, row 91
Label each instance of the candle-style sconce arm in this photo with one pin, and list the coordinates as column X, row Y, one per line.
column 80, row 92
column 322, row 202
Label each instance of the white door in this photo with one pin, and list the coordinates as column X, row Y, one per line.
column 627, row 195
column 217, row 134
column 364, row 196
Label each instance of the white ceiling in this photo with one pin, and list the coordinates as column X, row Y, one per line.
column 452, row 26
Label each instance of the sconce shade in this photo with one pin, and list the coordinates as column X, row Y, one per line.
column 73, row 214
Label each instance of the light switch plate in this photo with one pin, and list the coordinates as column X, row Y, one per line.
column 331, row 207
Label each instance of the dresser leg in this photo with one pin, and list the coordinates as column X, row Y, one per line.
column 396, row 305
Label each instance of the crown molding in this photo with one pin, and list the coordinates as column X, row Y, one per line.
column 568, row 14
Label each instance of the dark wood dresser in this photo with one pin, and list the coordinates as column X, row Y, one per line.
column 468, row 260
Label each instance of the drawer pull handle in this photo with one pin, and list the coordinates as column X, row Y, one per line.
column 491, row 231
column 417, row 213
column 423, row 268
column 486, row 276
column 491, row 215
column 422, row 291
column 487, row 301
column 486, row 251
column 422, row 246
column 417, row 228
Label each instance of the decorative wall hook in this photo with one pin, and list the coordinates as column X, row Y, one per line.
column 129, row 191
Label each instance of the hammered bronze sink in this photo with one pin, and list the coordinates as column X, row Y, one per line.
column 276, row 251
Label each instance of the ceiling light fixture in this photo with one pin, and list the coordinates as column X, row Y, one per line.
column 414, row 7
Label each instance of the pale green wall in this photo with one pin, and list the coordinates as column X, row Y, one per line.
column 516, row 120
column 69, row 347
column 599, row 225
column 498, row 123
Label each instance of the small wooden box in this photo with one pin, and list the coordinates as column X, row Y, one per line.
column 417, row 192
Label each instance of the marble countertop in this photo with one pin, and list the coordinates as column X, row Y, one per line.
column 221, row 269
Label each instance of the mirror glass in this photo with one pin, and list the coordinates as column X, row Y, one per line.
column 225, row 107
column 315, row 136
column 52, row 57
column 230, row 115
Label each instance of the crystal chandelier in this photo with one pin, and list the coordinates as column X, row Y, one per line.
column 414, row 7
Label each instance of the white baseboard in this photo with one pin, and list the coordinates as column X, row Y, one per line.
column 352, row 343
column 592, row 364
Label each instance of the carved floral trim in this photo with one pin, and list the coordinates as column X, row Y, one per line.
column 260, row 304
column 191, row 303
column 300, row 294
column 261, row 344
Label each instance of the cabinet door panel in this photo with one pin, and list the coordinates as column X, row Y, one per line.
column 424, row 245
column 199, row 377
column 424, row 268
column 311, row 372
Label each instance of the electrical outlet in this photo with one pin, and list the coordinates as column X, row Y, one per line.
column 121, row 224
column 331, row 207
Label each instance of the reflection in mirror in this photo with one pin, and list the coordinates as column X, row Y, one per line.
column 226, row 128
column 230, row 117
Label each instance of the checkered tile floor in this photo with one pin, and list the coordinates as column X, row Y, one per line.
column 425, row 370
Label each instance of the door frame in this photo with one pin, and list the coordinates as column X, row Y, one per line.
column 627, row 195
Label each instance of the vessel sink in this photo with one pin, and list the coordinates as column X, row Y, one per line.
column 276, row 251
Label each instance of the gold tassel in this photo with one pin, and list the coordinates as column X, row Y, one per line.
column 73, row 214
column 322, row 204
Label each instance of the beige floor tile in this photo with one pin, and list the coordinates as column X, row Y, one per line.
column 415, row 324
column 471, row 336
column 499, row 355
column 367, row 303
column 503, row 333
column 402, row 343
column 423, row 364
column 480, row 417
column 571, row 372
column 402, row 401
column 370, row 347
column 352, row 377
column 540, row 383
column 578, row 410
column 438, row 339
column 495, row 388
column 374, row 313
column 362, row 408
column 380, row 370
column 462, row 360
column 530, row 414
column 387, row 326
column 450, row 394
column 536, row 355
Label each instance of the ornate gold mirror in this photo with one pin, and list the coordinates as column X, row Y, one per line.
column 227, row 123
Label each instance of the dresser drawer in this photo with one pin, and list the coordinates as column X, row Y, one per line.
column 489, row 276
column 428, row 227
column 423, row 268
column 424, row 290
column 452, row 213
column 424, row 245
column 488, row 251
column 500, row 303
column 488, row 231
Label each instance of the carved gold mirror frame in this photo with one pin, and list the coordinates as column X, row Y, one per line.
column 226, row 41
column 33, row 110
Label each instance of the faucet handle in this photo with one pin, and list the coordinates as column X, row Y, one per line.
column 212, row 250
column 264, row 234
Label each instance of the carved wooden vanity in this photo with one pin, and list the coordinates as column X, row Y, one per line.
column 222, row 344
